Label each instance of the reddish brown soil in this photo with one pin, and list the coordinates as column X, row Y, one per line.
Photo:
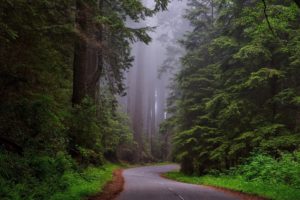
column 112, row 189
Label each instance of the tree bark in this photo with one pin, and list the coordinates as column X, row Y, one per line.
column 88, row 59
column 138, row 109
column 80, row 54
column 97, row 56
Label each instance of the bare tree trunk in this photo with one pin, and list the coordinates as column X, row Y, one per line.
column 138, row 115
column 97, row 57
column 88, row 64
column 80, row 54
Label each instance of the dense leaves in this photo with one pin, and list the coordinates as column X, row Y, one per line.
column 261, row 175
column 43, row 134
column 238, row 84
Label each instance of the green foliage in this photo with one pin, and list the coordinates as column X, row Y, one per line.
column 264, row 168
column 44, row 139
column 45, row 177
column 262, row 77
column 109, row 131
column 87, row 183
column 261, row 175
column 238, row 86
column 109, row 19
column 84, row 126
column 274, row 191
column 41, row 175
column 34, row 123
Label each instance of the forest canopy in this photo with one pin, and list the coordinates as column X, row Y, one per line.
column 238, row 87
column 232, row 103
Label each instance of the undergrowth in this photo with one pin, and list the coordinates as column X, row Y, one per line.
column 262, row 175
column 32, row 177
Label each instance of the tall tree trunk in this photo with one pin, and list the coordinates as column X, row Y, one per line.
column 80, row 53
column 97, row 56
column 88, row 61
column 274, row 85
column 138, row 113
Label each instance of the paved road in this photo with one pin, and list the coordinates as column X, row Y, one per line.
column 145, row 183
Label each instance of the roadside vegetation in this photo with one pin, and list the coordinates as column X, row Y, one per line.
column 261, row 175
column 234, row 106
column 236, row 91
column 88, row 183
column 57, row 178
column 60, row 122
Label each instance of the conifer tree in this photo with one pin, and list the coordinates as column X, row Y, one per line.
column 237, row 84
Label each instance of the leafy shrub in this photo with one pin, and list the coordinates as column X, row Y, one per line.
column 89, row 156
column 264, row 168
column 34, row 123
column 32, row 176
column 84, row 126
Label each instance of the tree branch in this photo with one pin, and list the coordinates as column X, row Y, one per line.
column 267, row 18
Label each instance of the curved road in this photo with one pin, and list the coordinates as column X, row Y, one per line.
column 145, row 183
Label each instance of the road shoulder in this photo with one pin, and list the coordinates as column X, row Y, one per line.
column 239, row 194
column 112, row 189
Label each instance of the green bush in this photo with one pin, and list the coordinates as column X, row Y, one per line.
column 284, row 170
column 89, row 156
column 262, row 175
column 88, row 182
column 32, row 176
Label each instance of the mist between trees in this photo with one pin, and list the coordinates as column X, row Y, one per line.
column 205, row 83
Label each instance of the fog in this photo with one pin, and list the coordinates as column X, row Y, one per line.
column 148, row 79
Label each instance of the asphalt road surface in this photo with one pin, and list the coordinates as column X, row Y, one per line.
column 145, row 183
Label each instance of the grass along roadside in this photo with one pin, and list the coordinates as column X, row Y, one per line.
column 90, row 182
column 269, row 191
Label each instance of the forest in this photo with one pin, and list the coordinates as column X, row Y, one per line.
column 89, row 86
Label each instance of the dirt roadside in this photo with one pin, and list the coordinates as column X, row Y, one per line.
column 112, row 189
